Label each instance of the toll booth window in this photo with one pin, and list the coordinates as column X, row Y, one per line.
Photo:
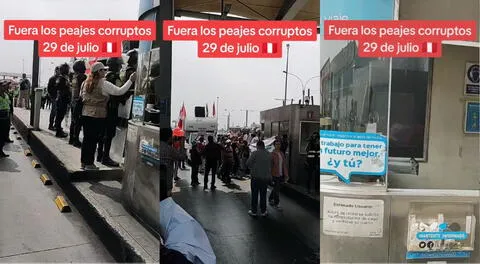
column 275, row 129
column 307, row 129
column 411, row 82
column 283, row 130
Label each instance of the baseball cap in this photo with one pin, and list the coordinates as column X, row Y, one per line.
column 98, row 66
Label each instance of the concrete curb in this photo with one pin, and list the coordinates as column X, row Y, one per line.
column 116, row 244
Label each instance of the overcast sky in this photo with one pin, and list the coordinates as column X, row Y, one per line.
column 239, row 83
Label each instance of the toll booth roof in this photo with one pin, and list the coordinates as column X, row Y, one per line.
column 255, row 10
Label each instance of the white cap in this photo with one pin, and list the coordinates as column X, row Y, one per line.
column 98, row 66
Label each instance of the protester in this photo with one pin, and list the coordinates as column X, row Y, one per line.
column 212, row 155
column 196, row 161
column 181, row 233
column 4, row 116
column 168, row 157
column 95, row 92
column 24, row 100
column 227, row 162
column 260, row 165
column 244, row 154
column 279, row 174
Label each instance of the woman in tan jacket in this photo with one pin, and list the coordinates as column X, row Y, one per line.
column 95, row 94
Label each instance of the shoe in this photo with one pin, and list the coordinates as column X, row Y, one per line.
column 109, row 162
column 213, row 187
column 77, row 144
column 82, row 166
column 91, row 167
column 264, row 214
column 3, row 155
column 205, row 188
column 51, row 128
column 252, row 213
column 277, row 207
column 61, row 134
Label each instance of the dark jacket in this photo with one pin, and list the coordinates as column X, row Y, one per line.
column 212, row 152
column 62, row 85
column 195, row 156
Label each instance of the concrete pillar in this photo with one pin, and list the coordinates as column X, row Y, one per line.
column 163, row 85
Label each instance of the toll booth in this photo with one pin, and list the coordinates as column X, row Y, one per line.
column 418, row 201
column 298, row 122
column 140, row 185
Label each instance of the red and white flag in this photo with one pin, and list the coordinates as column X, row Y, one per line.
column 181, row 116
column 269, row 48
column 109, row 47
column 429, row 47
column 213, row 110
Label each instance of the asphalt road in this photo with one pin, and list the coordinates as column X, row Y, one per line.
column 32, row 229
column 287, row 236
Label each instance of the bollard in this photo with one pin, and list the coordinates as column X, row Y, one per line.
column 38, row 104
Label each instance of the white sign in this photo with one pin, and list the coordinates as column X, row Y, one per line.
column 353, row 217
column 138, row 106
column 472, row 79
column 351, row 153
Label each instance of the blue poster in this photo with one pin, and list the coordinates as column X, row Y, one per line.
column 356, row 10
column 350, row 153
column 472, row 117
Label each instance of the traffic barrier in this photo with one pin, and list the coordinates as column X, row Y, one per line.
column 46, row 181
column 27, row 152
column 62, row 205
column 35, row 164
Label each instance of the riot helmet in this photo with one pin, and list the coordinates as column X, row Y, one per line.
column 79, row 66
column 114, row 64
column 64, row 69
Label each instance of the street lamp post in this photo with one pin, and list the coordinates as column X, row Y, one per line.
column 286, row 76
column 304, row 85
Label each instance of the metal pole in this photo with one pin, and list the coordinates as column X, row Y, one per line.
column 228, row 121
column 286, row 77
column 35, row 67
column 246, row 118
column 37, row 104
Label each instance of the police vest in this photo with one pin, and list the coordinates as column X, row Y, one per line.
column 4, row 103
column 314, row 152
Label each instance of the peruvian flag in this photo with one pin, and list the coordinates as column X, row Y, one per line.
column 181, row 117
column 269, row 48
column 109, row 47
column 213, row 110
column 91, row 61
column 429, row 47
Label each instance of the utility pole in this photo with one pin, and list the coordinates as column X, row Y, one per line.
column 228, row 121
column 286, row 76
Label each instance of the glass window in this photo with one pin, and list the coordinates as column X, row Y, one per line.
column 409, row 103
column 275, row 128
column 283, row 128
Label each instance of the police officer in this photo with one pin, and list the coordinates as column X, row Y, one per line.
column 113, row 76
column 52, row 95
column 78, row 78
column 313, row 162
column 4, row 116
column 62, row 85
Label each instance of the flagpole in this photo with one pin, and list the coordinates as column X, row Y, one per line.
column 216, row 112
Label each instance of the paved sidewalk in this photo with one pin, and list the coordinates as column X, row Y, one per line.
column 32, row 228
column 287, row 236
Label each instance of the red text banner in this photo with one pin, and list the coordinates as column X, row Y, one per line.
column 79, row 38
column 400, row 38
column 239, row 39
